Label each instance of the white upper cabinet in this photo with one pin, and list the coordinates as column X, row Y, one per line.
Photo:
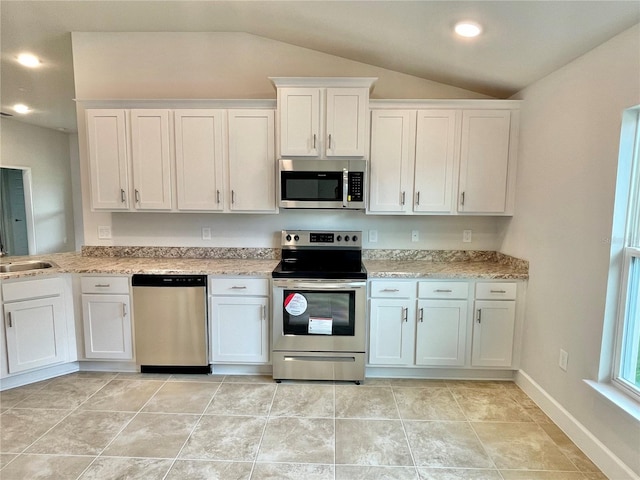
column 151, row 159
column 435, row 161
column 108, row 164
column 392, row 154
column 485, row 162
column 422, row 159
column 199, row 159
column 323, row 117
column 252, row 165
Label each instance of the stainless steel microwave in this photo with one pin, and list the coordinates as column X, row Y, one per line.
column 333, row 184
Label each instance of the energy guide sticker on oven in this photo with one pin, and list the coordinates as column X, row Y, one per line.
column 295, row 304
column 320, row 325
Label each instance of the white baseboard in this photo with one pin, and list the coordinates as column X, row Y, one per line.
column 21, row 379
column 605, row 459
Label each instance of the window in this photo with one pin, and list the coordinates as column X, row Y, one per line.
column 626, row 367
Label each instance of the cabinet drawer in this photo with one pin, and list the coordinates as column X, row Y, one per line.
column 392, row 289
column 105, row 285
column 45, row 287
column 239, row 286
column 496, row 291
column 443, row 289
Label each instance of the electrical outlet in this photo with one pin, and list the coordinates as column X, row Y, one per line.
column 373, row 236
column 415, row 235
column 466, row 236
column 104, row 231
column 564, row 360
column 206, row 233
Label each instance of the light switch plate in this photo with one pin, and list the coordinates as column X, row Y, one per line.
column 104, row 231
column 373, row 236
column 466, row 236
column 415, row 235
column 206, row 233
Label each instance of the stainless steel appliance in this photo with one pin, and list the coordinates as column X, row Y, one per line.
column 319, row 307
column 170, row 315
column 333, row 184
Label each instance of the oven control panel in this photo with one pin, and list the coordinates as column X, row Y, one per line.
column 321, row 238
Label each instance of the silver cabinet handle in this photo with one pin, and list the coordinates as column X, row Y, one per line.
column 421, row 315
column 124, row 309
column 102, row 285
column 442, row 291
column 479, row 316
column 403, row 195
column 417, row 198
column 217, row 196
column 264, row 312
column 233, row 196
column 329, row 141
column 238, row 287
column 405, row 312
column 9, row 318
column 314, row 140
column 137, row 195
column 498, row 291
column 462, row 203
column 122, row 197
column 389, row 290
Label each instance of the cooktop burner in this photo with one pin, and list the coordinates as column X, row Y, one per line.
column 321, row 254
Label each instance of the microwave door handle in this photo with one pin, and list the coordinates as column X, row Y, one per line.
column 345, row 187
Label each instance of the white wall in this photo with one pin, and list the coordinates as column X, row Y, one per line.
column 237, row 65
column 47, row 153
column 570, row 129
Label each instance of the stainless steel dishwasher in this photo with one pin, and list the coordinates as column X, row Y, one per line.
column 170, row 316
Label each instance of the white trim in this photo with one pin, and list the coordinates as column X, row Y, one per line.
column 474, row 103
column 38, row 375
column 617, row 397
column 27, row 185
column 324, row 82
column 599, row 454
column 176, row 103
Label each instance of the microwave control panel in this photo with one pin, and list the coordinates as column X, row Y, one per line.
column 356, row 181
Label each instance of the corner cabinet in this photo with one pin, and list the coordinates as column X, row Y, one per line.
column 239, row 320
column 323, row 117
column 35, row 324
column 106, row 318
column 451, row 160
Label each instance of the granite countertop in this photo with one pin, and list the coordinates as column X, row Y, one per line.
column 260, row 262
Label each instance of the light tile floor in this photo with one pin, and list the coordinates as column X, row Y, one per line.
column 107, row 426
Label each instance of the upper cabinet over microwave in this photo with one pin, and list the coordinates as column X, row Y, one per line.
column 323, row 117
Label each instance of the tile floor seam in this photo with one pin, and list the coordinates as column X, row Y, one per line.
column 195, row 425
column 99, row 455
column 264, row 429
column 335, row 435
column 406, row 435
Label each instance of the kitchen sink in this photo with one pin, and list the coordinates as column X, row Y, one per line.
column 24, row 266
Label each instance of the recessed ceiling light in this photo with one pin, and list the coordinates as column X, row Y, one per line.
column 28, row 60
column 21, row 108
column 468, row 29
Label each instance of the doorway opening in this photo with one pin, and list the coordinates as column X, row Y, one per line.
column 17, row 233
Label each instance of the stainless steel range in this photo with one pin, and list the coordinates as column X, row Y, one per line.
column 319, row 307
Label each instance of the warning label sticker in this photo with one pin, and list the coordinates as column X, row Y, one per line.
column 295, row 304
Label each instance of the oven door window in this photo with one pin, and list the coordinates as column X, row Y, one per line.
column 312, row 186
column 308, row 312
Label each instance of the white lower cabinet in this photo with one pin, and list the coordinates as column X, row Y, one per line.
column 441, row 332
column 392, row 331
column 494, row 325
column 106, row 317
column 239, row 320
column 35, row 324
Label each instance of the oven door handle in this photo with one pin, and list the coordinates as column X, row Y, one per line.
column 321, row 286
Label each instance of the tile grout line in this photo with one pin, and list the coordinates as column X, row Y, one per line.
column 193, row 429
column 121, row 429
column 404, row 430
column 264, row 429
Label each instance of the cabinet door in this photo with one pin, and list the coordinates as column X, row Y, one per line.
column 199, row 159
column 435, row 160
column 484, row 161
column 239, row 329
column 392, row 154
column 35, row 332
column 108, row 165
column 252, row 166
column 107, row 326
column 441, row 332
column 392, row 331
column 151, row 159
column 493, row 328
column 299, row 121
column 346, row 133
